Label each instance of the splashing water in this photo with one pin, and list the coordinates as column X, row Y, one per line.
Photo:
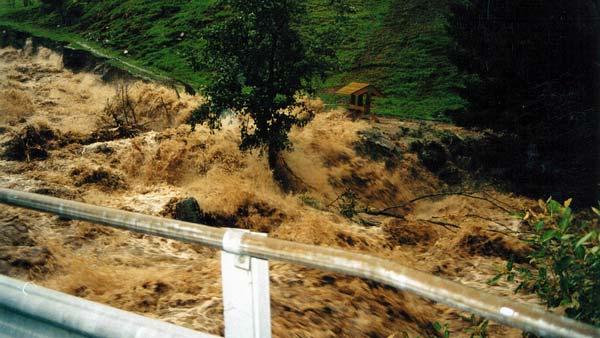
column 180, row 283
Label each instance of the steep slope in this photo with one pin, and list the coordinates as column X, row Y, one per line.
column 400, row 46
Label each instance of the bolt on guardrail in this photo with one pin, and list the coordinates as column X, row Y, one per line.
column 523, row 316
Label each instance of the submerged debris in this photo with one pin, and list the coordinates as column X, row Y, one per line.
column 102, row 177
column 30, row 143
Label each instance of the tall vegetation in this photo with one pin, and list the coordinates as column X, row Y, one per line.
column 565, row 259
column 260, row 62
column 534, row 72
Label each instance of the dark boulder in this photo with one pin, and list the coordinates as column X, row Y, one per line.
column 188, row 210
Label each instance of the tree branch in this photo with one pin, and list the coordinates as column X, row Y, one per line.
column 458, row 193
column 446, row 225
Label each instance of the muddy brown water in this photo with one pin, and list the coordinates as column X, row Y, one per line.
column 180, row 283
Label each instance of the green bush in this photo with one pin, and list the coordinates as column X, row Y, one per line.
column 565, row 261
column 567, row 257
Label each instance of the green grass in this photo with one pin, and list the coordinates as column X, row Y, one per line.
column 75, row 40
column 398, row 45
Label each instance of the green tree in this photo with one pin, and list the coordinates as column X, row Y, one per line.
column 260, row 62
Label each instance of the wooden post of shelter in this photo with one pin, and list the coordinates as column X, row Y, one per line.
column 361, row 96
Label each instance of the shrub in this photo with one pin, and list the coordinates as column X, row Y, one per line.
column 120, row 112
column 567, row 257
column 565, row 261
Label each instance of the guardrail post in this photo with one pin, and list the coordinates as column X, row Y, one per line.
column 246, row 295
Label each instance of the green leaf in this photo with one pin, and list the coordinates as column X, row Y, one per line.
column 554, row 207
column 585, row 238
column 539, row 225
column 437, row 326
column 494, row 280
column 548, row 235
column 565, row 220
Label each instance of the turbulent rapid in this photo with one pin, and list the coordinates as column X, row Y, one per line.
column 457, row 237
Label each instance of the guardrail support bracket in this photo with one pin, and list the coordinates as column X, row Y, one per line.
column 246, row 295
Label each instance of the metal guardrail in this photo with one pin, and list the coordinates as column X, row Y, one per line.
column 28, row 310
column 247, row 245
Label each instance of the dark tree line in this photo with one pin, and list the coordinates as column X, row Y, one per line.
column 533, row 70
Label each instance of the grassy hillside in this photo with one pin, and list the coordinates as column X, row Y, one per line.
column 399, row 45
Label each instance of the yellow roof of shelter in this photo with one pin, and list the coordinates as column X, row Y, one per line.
column 355, row 87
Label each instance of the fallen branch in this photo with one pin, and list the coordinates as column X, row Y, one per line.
column 381, row 213
column 459, row 193
column 446, row 225
column 491, row 220
column 335, row 200
column 507, row 234
column 488, row 195
column 498, row 223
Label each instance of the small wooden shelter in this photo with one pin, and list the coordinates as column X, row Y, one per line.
column 361, row 95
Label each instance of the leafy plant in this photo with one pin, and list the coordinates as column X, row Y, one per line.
column 478, row 327
column 443, row 330
column 565, row 260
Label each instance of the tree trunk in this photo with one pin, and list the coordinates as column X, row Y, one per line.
column 282, row 174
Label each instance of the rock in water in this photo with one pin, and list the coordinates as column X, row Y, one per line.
column 377, row 146
column 188, row 210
